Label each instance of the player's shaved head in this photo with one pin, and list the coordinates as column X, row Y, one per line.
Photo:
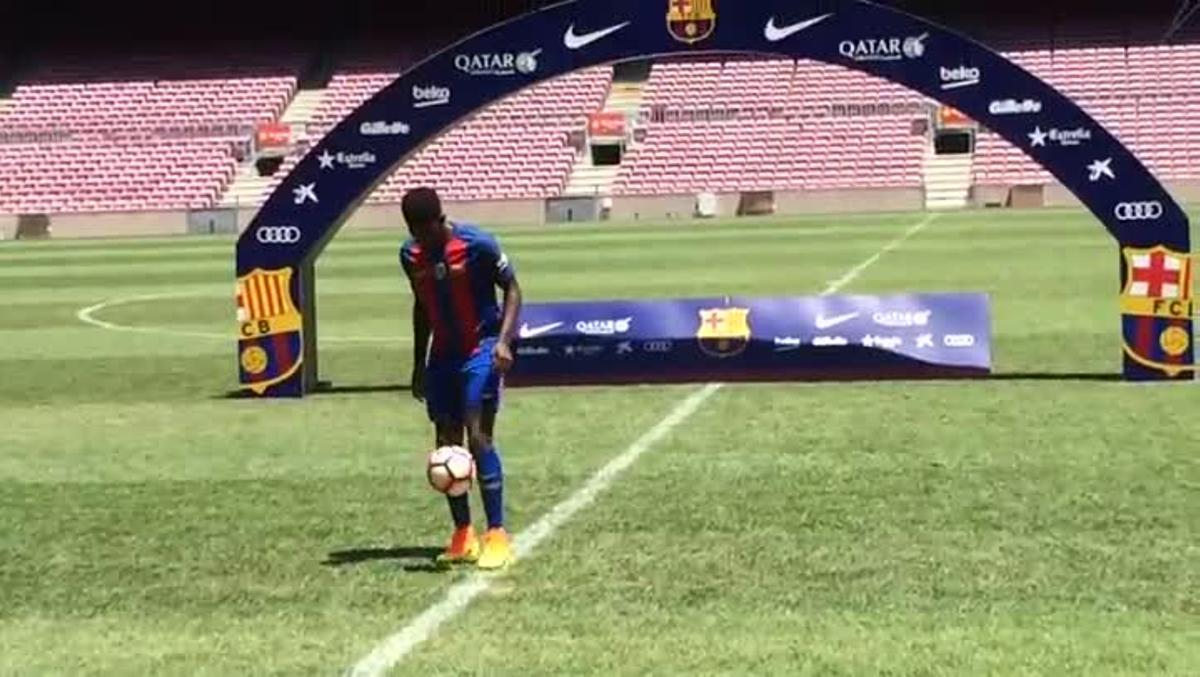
column 423, row 212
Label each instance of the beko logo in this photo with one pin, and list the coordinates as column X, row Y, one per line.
column 428, row 97
column 277, row 235
column 957, row 78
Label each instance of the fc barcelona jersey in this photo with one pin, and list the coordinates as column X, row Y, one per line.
column 457, row 286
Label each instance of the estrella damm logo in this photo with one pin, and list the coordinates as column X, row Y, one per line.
column 691, row 21
column 270, row 343
column 724, row 332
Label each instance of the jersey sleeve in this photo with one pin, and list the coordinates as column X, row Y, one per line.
column 496, row 260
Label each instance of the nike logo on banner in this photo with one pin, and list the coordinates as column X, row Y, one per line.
column 827, row 322
column 573, row 41
column 533, row 332
column 776, row 33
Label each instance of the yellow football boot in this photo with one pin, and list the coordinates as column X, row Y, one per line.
column 497, row 550
column 463, row 548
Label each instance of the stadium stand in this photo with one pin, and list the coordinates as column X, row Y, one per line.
column 782, row 136
column 147, row 133
column 517, row 148
column 165, row 133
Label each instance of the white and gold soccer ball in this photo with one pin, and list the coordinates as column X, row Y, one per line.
column 451, row 470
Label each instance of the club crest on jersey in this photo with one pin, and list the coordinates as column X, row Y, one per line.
column 270, row 347
column 724, row 332
column 691, row 21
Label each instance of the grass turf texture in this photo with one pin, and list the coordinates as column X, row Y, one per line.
column 1043, row 522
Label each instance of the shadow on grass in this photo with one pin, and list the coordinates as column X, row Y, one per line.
column 325, row 388
column 416, row 559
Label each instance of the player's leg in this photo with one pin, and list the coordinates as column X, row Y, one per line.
column 482, row 403
column 443, row 399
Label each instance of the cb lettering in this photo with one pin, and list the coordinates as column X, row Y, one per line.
column 257, row 328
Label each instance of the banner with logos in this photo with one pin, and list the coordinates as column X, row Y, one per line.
column 910, row 336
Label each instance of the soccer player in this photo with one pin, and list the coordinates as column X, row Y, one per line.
column 454, row 270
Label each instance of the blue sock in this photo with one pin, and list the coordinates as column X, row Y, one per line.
column 491, row 486
column 460, row 509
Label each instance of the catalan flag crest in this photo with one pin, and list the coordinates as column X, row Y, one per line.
column 269, row 326
column 263, row 295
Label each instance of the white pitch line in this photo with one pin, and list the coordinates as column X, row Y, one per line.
column 854, row 272
column 88, row 316
column 460, row 595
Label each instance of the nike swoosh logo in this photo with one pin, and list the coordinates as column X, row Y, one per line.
column 534, row 332
column 776, row 33
column 828, row 322
column 573, row 41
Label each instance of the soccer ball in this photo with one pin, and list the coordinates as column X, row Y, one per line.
column 450, row 470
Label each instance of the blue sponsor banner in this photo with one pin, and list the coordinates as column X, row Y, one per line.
column 911, row 336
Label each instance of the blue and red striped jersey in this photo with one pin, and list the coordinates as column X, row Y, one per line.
column 457, row 287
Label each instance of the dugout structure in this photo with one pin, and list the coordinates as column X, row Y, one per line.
column 276, row 341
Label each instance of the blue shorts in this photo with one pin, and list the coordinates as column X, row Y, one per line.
column 456, row 386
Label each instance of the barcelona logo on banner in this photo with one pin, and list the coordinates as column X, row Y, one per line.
column 724, row 332
column 1157, row 306
column 270, row 348
column 691, row 21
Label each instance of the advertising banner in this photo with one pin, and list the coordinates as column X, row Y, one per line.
column 754, row 339
column 606, row 125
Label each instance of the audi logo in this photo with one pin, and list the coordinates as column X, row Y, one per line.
column 959, row 341
column 658, row 346
column 277, row 235
column 1139, row 211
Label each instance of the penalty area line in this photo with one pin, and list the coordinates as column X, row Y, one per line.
column 459, row 596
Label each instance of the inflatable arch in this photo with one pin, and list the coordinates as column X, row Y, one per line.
column 275, row 254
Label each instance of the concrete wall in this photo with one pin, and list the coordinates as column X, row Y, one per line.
column 856, row 200
column 1056, row 195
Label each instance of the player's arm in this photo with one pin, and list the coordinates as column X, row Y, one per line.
column 506, row 279
column 421, row 332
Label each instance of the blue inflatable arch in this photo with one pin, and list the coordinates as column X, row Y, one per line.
column 275, row 254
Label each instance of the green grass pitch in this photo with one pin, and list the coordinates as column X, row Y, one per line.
column 1043, row 522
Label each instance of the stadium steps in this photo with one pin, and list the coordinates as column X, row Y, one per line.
column 588, row 179
column 248, row 189
column 947, row 181
column 303, row 107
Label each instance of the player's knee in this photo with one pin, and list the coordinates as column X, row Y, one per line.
column 479, row 441
column 449, row 435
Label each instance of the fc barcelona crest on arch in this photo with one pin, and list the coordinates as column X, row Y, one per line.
column 691, row 21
